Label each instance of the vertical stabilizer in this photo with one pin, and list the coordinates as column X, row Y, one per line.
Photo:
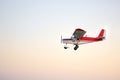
column 101, row 34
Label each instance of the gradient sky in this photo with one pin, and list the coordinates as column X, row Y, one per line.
column 30, row 47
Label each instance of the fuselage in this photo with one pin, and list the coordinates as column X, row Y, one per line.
column 82, row 40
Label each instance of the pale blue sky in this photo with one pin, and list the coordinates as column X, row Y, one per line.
column 30, row 33
column 30, row 16
column 34, row 19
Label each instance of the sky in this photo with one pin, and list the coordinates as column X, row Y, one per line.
column 30, row 46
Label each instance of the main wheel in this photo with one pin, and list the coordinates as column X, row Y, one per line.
column 76, row 47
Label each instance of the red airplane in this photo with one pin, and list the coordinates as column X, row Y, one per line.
column 78, row 38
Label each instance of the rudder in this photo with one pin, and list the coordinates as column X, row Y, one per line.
column 101, row 34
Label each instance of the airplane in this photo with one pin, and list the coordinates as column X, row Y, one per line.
column 78, row 38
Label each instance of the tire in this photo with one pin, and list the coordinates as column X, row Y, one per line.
column 65, row 47
column 76, row 47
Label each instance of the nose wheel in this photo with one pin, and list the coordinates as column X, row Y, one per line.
column 65, row 47
column 76, row 47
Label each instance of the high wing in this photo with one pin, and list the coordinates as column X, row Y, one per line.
column 75, row 39
column 78, row 33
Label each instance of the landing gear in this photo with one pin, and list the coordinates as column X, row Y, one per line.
column 76, row 47
column 65, row 47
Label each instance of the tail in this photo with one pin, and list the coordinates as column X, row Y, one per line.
column 102, row 34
